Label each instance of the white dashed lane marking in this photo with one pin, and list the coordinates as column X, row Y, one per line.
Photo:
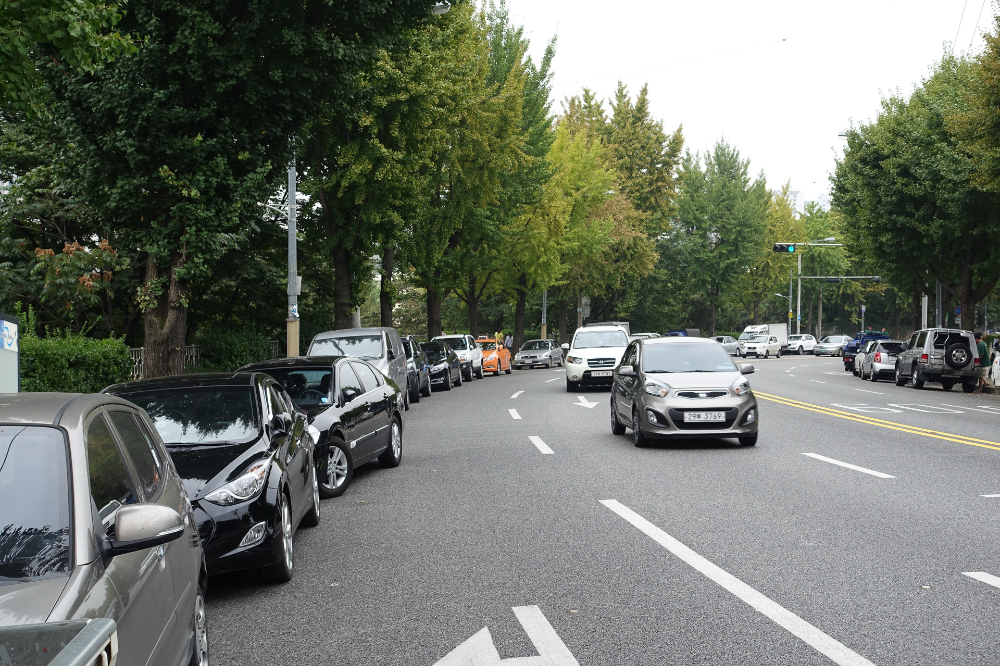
column 514, row 415
column 540, row 445
column 865, row 470
column 517, row 394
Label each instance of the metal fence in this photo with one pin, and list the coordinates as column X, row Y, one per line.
column 192, row 359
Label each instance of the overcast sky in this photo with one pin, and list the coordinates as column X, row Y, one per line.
column 777, row 78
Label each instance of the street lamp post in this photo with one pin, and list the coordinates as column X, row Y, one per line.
column 294, row 281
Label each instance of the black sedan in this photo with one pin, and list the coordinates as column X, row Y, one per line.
column 246, row 457
column 357, row 415
column 446, row 367
column 418, row 369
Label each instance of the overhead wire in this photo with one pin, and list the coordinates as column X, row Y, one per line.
column 959, row 28
column 976, row 29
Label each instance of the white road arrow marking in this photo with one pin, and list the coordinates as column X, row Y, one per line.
column 983, row 577
column 517, row 394
column 514, row 415
column 584, row 402
column 479, row 650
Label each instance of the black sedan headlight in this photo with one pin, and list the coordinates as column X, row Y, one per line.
column 246, row 487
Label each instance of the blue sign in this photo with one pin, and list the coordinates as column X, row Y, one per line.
column 958, row 312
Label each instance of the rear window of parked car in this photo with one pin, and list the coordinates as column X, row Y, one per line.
column 197, row 415
column 34, row 504
column 891, row 347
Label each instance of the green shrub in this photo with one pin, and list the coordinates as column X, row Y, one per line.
column 227, row 350
column 73, row 364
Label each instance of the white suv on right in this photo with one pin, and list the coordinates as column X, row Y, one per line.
column 594, row 353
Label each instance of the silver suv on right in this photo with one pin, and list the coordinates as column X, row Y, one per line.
column 944, row 355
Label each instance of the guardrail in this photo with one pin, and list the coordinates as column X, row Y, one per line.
column 72, row 643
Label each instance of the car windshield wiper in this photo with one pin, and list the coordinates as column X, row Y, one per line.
column 699, row 370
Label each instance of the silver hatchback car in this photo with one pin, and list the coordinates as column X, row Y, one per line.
column 94, row 522
column 682, row 388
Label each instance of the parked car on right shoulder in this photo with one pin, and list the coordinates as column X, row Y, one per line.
column 880, row 361
column 831, row 345
column 944, row 355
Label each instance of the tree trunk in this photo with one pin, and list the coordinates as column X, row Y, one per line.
column 385, row 287
column 522, row 301
column 473, row 304
column 711, row 321
column 809, row 316
column 342, row 310
column 165, row 322
column 433, row 314
column 563, row 307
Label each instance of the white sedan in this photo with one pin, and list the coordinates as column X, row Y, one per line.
column 800, row 344
column 761, row 346
column 728, row 343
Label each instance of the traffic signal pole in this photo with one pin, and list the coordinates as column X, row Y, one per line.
column 798, row 303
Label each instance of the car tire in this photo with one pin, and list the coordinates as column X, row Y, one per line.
column 958, row 356
column 406, row 400
column 638, row 439
column 617, row 427
column 900, row 379
column 571, row 386
column 799, row 352
column 336, row 470
column 446, row 383
column 394, row 453
column 282, row 570
column 748, row 440
column 778, row 354
column 915, row 380
column 199, row 628
column 508, row 369
column 767, row 352
column 479, row 372
column 313, row 515
column 426, row 392
column 415, row 394
column 947, row 386
column 969, row 387
column 461, row 377
column 873, row 377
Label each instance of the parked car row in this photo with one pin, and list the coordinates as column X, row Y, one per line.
column 941, row 355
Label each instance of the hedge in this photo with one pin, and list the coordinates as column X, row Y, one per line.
column 227, row 350
column 73, row 364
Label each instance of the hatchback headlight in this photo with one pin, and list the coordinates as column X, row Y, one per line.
column 574, row 359
column 247, row 486
column 659, row 389
column 741, row 387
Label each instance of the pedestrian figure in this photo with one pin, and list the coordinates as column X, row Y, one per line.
column 509, row 341
column 984, row 354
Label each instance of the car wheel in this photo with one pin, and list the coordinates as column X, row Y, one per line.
column 447, row 382
column 873, row 377
column 479, row 372
column 767, row 352
column 282, row 570
column 637, row 437
column 748, row 440
column 915, row 380
column 571, row 386
column 617, row 428
column 394, row 454
column 406, row 400
column 311, row 519
column 549, row 364
column 426, row 392
column 199, row 628
column 336, row 470
column 900, row 379
column 947, row 386
column 778, row 354
column 968, row 387
column 508, row 369
column 461, row 378
column 799, row 352
column 415, row 393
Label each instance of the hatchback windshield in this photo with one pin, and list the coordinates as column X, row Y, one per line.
column 308, row 387
column 531, row 345
column 34, row 504
column 686, row 357
column 358, row 346
column 597, row 339
column 759, row 338
column 457, row 343
column 210, row 415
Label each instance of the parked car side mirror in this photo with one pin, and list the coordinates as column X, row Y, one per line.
column 564, row 346
column 746, row 368
column 904, row 346
column 280, row 424
column 626, row 370
column 390, row 354
column 142, row 526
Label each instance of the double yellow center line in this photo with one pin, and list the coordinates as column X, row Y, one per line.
column 913, row 430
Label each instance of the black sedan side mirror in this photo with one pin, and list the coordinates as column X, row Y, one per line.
column 280, row 424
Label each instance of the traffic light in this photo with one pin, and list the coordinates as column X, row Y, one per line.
column 876, row 279
column 784, row 247
column 834, row 279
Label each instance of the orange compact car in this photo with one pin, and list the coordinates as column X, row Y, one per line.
column 496, row 357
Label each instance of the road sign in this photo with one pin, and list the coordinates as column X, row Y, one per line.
column 585, row 301
column 481, row 651
column 789, row 314
column 862, row 309
column 958, row 312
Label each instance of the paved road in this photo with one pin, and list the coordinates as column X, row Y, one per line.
column 708, row 554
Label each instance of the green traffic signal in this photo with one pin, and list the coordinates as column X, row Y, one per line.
column 784, row 247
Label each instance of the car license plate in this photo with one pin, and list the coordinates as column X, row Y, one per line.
column 704, row 416
column 600, row 373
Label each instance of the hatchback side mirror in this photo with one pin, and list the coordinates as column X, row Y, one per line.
column 746, row 368
column 142, row 526
column 565, row 346
column 626, row 370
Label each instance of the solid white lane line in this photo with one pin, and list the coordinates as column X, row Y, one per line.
column 514, row 415
column 849, row 466
column 552, row 651
column 983, row 577
column 517, row 394
column 554, row 379
column 989, row 495
column 867, row 391
column 540, row 445
column 821, row 642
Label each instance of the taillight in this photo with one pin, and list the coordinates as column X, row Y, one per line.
column 923, row 358
column 878, row 357
column 975, row 362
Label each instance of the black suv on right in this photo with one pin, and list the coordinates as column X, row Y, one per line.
column 944, row 355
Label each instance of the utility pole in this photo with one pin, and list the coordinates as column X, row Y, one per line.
column 294, row 286
column 923, row 310
column 938, row 312
column 545, row 304
column 798, row 304
column 790, row 282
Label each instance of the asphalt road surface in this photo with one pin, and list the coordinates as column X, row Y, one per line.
column 520, row 527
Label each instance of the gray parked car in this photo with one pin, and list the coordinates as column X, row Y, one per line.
column 945, row 355
column 831, row 345
column 94, row 522
column 729, row 343
column 381, row 346
column 538, row 353
column 682, row 388
column 880, row 361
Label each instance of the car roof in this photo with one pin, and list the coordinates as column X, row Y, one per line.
column 351, row 332
column 186, row 381
column 294, row 362
column 676, row 339
column 49, row 408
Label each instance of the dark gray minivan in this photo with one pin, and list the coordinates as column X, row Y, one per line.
column 381, row 346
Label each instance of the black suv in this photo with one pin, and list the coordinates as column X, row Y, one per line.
column 944, row 355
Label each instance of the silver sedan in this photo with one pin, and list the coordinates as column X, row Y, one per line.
column 729, row 343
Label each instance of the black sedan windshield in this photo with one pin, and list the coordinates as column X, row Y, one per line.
column 358, row 346
column 686, row 357
column 34, row 504
column 196, row 415
column 435, row 351
column 308, row 387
